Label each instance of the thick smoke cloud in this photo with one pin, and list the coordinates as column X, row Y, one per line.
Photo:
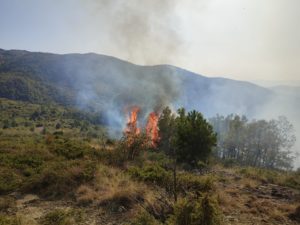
column 146, row 30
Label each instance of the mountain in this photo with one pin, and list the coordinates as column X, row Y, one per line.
column 104, row 82
column 109, row 86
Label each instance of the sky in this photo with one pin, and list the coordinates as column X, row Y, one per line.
column 239, row 39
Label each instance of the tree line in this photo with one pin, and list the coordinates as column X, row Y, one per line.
column 258, row 143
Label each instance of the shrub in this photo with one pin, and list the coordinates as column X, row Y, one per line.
column 62, row 217
column 183, row 213
column 202, row 165
column 191, row 182
column 58, row 179
column 116, row 191
column 289, row 179
column 296, row 215
column 144, row 218
column 8, row 220
column 152, row 173
column 69, row 149
column 9, row 180
column 58, row 126
column 203, row 211
column 156, row 174
column 86, row 195
column 16, row 220
column 58, row 133
column 292, row 180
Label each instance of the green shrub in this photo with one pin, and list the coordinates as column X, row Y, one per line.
column 292, row 181
column 229, row 163
column 9, row 180
column 69, row 149
column 192, row 182
column 183, row 213
column 8, row 220
column 58, row 133
column 203, row 211
column 16, row 220
column 144, row 218
column 264, row 175
column 62, row 217
column 61, row 178
column 152, row 173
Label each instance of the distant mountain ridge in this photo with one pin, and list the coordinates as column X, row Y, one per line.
column 73, row 79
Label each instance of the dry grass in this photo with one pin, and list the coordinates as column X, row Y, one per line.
column 249, row 183
column 7, row 203
column 18, row 219
column 112, row 188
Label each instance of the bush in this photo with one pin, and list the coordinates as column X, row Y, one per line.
column 292, row 180
column 203, row 211
column 8, row 220
column 152, row 173
column 263, row 175
column 156, row 174
column 69, row 149
column 9, row 180
column 16, row 220
column 116, row 191
column 191, row 182
column 144, row 218
column 58, row 133
column 59, row 179
column 62, row 217
column 296, row 215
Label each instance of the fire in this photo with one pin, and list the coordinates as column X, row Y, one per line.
column 132, row 127
column 132, row 130
column 152, row 128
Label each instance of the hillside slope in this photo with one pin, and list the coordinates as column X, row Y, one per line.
column 107, row 83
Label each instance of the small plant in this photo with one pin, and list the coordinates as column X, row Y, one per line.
column 144, row 218
column 62, row 217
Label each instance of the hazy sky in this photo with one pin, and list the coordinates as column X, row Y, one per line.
column 239, row 39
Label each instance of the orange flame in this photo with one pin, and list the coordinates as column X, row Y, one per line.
column 132, row 129
column 131, row 126
column 152, row 128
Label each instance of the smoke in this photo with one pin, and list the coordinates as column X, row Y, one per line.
column 112, row 86
column 145, row 30
column 285, row 101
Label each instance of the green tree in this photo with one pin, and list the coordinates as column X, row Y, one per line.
column 166, row 124
column 195, row 137
column 186, row 138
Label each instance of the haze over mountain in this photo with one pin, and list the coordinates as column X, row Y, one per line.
column 109, row 85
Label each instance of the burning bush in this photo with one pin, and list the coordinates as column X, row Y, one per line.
column 136, row 140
